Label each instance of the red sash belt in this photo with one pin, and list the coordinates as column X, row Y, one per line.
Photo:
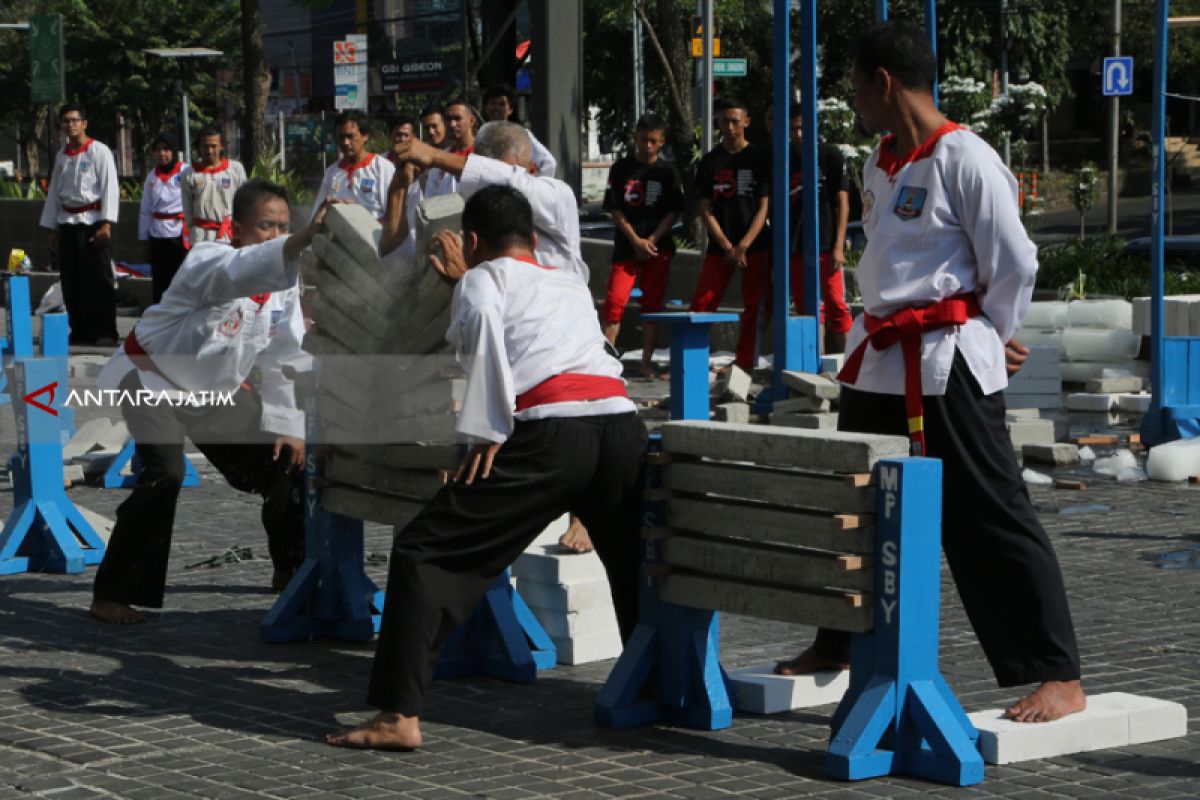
column 571, row 386
column 224, row 227
column 82, row 209
column 140, row 358
column 906, row 327
column 165, row 215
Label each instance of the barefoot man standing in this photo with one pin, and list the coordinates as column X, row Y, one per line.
column 946, row 278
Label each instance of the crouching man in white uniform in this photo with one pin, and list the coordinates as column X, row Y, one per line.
column 553, row 431
column 226, row 328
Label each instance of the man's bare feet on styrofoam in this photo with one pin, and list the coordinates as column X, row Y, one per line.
column 115, row 613
column 1050, row 701
column 809, row 662
column 576, row 538
column 385, row 731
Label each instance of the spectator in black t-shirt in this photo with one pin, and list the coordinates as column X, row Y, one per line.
column 833, row 211
column 733, row 189
column 644, row 197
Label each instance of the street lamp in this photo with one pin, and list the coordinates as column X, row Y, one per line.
column 184, row 52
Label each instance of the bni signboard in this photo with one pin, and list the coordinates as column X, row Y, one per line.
column 350, row 72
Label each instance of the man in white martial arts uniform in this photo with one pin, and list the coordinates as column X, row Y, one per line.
column 946, row 278
column 81, row 207
column 227, row 327
column 207, row 190
column 553, row 431
column 359, row 177
column 460, row 120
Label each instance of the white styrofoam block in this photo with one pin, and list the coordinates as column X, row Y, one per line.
column 586, row 622
column 1030, row 431
column 1111, row 314
column 1114, row 719
column 761, row 691
column 1117, row 385
column 1046, row 314
column 1019, row 400
column 1084, row 371
column 1174, row 461
column 1085, row 401
column 586, row 649
column 1039, row 337
column 562, row 598
column 1094, row 344
column 1150, row 719
column 1133, row 403
column 1005, row 741
column 551, row 534
column 549, row 563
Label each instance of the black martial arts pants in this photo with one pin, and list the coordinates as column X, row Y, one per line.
column 445, row 559
column 165, row 257
column 134, row 570
column 1002, row 561
column 87, row 285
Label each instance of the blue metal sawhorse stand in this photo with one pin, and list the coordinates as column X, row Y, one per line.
column 689, row 359
column 113, row 479
column 331, row 596
column 45, row 531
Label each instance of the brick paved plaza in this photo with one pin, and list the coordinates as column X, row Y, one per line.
column 193, row 705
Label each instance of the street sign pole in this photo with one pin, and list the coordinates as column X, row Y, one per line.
column 1114, row 122
column 706, row 81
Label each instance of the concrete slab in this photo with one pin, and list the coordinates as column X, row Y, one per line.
column 1021, row 384
column 1086, row 401
column 1108, row 721
column 1037, row 401
column 761, row 691
column 1125, row 383
column 1133, row 403
column 834, row 451
column 736, row 384
column 357, row 231
column 732, row 412
column 86, row 437
column 1059, row 454
column 436, row 214
column 811, row 385
column 811, row 422
column 1031, row 431
column 114, row 438
column 802, row 404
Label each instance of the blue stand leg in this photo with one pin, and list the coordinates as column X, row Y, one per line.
column 899, row 716
column 55, row 344
column 113, row 479
column 1175, row 410
column 670, row 670
column 44, row 532
column 689, row 360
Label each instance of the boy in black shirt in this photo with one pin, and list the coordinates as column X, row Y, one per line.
column 733, row 189
column 833, row 211
column 645, row 198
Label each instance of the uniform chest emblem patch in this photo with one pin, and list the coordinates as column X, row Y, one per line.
column 84, row 166
column 226, row 183
column 868, row 204
column 911, row 202
column 275, row 315
column 367, row 185
column 232, row 323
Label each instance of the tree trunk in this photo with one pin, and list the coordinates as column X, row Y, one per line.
column 32, row 142
column 1046, row 145
column 256, row 84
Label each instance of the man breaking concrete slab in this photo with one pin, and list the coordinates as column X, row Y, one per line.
column 553, row 431
column 207, row 362
column 946, row 279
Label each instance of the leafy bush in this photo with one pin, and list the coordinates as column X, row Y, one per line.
column 1101, row 266
column 268, row 169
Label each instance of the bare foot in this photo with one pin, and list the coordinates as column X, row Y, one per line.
column 809, row 662
column 576, row 538
column 386, row 731
column 115, row 613
column 1048, row 702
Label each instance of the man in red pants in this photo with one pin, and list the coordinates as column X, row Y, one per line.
column 833, row 212
column 733, row 190
column 644, row 198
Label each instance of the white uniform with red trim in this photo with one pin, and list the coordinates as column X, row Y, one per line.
column 517, row 324
column 555, row 212
column 84, row 188
column 365, row 183
column 941, row 222
column 207, row 197
column 161, row 215
column 227, row 310
column 438, row 183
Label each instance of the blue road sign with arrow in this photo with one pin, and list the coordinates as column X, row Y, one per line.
column 1118, row 76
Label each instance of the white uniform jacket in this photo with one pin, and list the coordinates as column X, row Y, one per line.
column 516, row 324
column 161, row 196
column 82, row 178
column 365, row 183
column 943, row 221
column 555, row 212
column 207, row 195
column 542, row 157
column 217, row 321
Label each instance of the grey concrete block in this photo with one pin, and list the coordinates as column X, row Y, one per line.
column 834, row 451
column 375, row 291
column 1016, row 400
column 1025, row 385
column 1084, row 401
column 357, row 231
column 736, row 384
column 1059, row 454
column 436, row 214
column 804, row 404
column 333, row 292
column 815, row 422
column 732, row 412
column 1031, row 431
column 1133, row 403
column 319, row 343
column 407, row 456
column 811, row 385
column 761, row 691
column 345, row 327
column 370, row 506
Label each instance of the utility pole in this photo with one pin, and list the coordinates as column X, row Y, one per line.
column 706, row 81
column 1004, row 75
column 1114, row 122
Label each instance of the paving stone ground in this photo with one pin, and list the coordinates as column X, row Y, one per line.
column 192, row 704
